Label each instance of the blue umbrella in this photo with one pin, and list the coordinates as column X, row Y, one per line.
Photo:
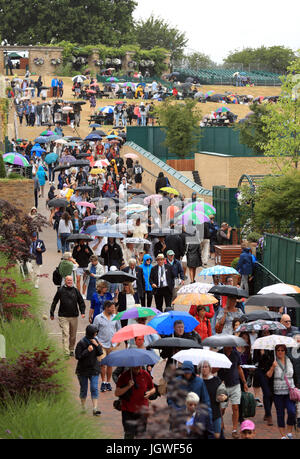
column 98, row 227
column 218, row 270
column 42, row 139
column 107, row 233
column 93, row 137
column 95, row 125
column 164, row 323
column 130, row 358
column 51, row 158
column 54, row 137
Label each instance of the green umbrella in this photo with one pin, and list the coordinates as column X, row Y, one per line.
column 199, row 206
column 136, row 312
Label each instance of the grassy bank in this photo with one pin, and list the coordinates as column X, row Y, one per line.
column 42, row 416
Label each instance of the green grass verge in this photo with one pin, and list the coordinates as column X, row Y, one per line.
column 43, row 416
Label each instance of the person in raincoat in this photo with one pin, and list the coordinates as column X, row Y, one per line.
column 146, row 267
column 42, row 177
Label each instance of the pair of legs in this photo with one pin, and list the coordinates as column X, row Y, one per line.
column 205, row 251
column 234, row 397
column 133, row 424
column 282, row 403
column 162, row 294
column 69, row 327
column 79, row 276
column 192, row 273
column 84, row 381
column 64, row 242
column 147, row 298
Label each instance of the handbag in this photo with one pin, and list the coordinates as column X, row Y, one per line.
column 293, row 391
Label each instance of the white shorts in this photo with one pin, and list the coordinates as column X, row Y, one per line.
column 234, row 396
column 79, row 271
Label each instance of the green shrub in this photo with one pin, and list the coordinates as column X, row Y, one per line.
column 15, row 175
column 253, row 236
column 235, row 262
column 2, row 166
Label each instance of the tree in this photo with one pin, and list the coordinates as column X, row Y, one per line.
column 181, row 123
column 251, row 129
column 282, row 123
column 198, row 60
column 108, row 22
column 277, row 204
column 2, row 167
column 155, row 32
column 276, row 58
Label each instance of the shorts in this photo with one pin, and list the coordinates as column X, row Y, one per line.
column 80, row 271
column 107, row 351
column 234, row 396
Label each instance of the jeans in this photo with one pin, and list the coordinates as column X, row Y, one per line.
column 282, row 403
column 84, row 381
column 117, row 120
column 143, row 120
column 217, row 425
column 58, row 241
column 64, row 243
column 214, row 320
column 51, row 174
column 267, row 396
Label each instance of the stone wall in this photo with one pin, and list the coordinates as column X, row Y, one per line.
column 47, row 53
column 19, row 193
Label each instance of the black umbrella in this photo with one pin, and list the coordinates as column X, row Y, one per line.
column 80, row 163
column 136, row 191
column 178, row 343
column 81, row 102
column 79, row 237
column 229, row 290
column 189, row 80
column 101, row 133
column 273, row 300
column 117, row 277
column 222, row 340
column 83, row 155
column 84, row 188
column 58, row 202
column 73, row 138
column 261, row 315
column 63, row 123
column 62, row 168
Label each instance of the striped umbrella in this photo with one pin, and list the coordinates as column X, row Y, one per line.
column 197, row 218
column 15, row 159
column 218, row 270
column 199, row 206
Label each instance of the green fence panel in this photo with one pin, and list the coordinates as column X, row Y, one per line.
column 226, row 205
column 282, row 257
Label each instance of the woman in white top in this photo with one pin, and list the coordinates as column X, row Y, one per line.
column 123, row 188
column 65, row 228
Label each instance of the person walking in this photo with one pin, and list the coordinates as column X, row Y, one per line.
column 162, row 282
column 37, row 248
column 106, row 328
column 93, row 271
column 65, row 228
column 87, row 352
column 148, row 291
column 138, row 174
column 81, row 253
column 245, row 266
column 42, row 177
column 71, row 303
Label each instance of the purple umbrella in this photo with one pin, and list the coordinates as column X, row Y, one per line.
column 90, row 218
column 137, row 312
column 67, row 159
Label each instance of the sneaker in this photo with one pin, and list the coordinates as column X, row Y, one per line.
column 103, row 387
column 96, row 413
column 108, row 386
column 289, row 436
column 258, row 402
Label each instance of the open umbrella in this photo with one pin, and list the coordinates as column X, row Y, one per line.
column 58, row 202
column 79, row 237
column 222, row 340
column 154, row 197
column 261, row 314
column 273, row 300
column 131, row 156
column 79, row 79
column 280, row 289
column 42, row 139
column 164, row 323
column 101, row 163
column 135, row 191
column 130, row 358
column 197, row 356
column 170, row 190
column 86, row 204
column 201, row 206
column 62, row 168
column 196, row 287
column 135, row 312
column 107, row 110
column 15, row 159
column 197, row 218
column 96, row 171
column 209, row 93
column 175, row 343
column 257, row 325
column 195, row 298
column 131, row 331
column 136, row 240
column 117, row 277
column 218, row 270
column 80, row 163
column 222, row 110
column 229, row 290
column 269, row 342
column 67, row 159
column 51, row 158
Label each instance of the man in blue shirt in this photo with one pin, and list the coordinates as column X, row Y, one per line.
column 54, row 85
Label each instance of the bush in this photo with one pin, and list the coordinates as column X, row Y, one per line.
column 235, row 262
column 2, row 167
column 253, row 237
column 15, row 175
column 32, row 372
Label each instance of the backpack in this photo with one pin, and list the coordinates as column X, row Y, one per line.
column 247, row 405
column 138, row 170
column 56, row 277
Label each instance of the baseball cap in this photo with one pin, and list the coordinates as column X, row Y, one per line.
column 170, row 252
column 160, row 255
column 247, row 425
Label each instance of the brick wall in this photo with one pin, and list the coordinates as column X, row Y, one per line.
column 19, row 193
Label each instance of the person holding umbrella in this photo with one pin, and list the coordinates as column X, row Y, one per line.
column 137, row 384
column 225, row 316
column 81, row 253
column 87, row 352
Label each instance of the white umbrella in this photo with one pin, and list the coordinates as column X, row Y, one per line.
column 197, row 356
column 136, row 240
column 101, row 163
column 136, row 208
column 281, row 289
column 62, row 141
column 269, row 342
column 79, row 78
column 197, row 287
column 67, row 109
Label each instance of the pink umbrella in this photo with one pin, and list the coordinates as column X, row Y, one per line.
column 101, row 163
column 131, row 156
column 86, row 204
column 155, row 197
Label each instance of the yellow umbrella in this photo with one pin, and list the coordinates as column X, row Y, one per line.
column 97, row 171
column 170, row 190
column 195, row 298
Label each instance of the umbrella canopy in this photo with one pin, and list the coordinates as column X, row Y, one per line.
column 86, row 204
column 61, row 141
column 130, row 358
column 62, row 168
column 164, row 323
column 131, row 156
column 132, row 331
column 117, row 277
column 51, row 158
column 79, row 237
column 218, row 270
column 107, row 110
column 112, row 79
column 67, row 159
column 197, row 287
column 135, row 191
column 195, row 298
column 42, row 139
column 197, row 218
column 261, row 315
column 79, row 79
column 258, row 325
column 197, row 356
column 96, row 171
column 229, row 290
column 95, row 125
column 154, row 197
column 47, row 133
column 175, row 343
column 101, row 163
column 202, row 207
column 15, row 159
column 222, row 110
column 136, row 240
column 222, row 340
column 209, row 93
column 58, row 202
column 280, row 289
column 80, row 163
column 99, row 132
column 135, row 312
column 92, row 137
column 273, row 300
column 84, row 188
column 170, row 190
column 108, row 232
column 269, row 342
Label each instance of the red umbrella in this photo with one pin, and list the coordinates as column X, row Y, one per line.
column 131, row 331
